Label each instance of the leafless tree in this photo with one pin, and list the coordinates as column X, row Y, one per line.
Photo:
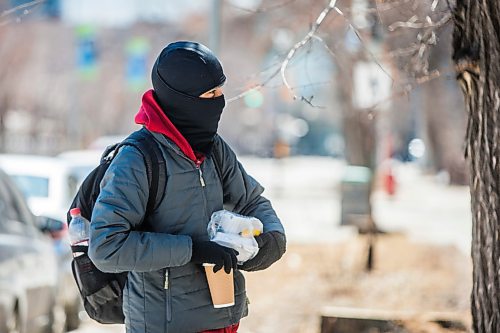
column 476, row 54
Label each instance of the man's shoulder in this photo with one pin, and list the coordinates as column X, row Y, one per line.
column 128, row 155
column 220, row 143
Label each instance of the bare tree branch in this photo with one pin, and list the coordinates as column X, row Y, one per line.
column 363, row 43
column 420, row 25
column 254, row 87
column 4, row 16
column 382, row 7
column 303, row 42
column 406, row 89
column 307, row 38
column 261, row 9
column 434, row 5
column 325, row 45
column 310, row 35
column 309, row 101
column 402, row 52
column 420, row 48
column 312, row 84
column 23, row 6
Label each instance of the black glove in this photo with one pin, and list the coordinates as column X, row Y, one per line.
column 272, row 246
column 212, row 253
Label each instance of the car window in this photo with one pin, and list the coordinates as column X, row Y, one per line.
column 32, row 186
column 79, row 173
column 12, row 204
column 73, row 184
column 75, row 180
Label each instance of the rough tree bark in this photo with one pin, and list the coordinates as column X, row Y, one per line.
column 476, row 44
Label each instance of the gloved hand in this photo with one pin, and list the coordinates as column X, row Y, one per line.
column 212, row 253
column 272, row 246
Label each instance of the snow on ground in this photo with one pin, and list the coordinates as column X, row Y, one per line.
column 305, row 192
column 426, row 210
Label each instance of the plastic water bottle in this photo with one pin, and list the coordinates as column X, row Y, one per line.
column 79, row 229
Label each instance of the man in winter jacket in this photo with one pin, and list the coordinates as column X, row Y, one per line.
column 167, row 290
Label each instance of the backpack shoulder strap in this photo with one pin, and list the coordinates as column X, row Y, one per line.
column 155, row 165
column 216, row 154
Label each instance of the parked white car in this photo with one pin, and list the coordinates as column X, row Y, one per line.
column 28, row 267
column 49, row 185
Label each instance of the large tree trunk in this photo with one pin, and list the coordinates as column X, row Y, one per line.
column 476, row 43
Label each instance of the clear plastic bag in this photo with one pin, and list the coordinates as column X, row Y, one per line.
column 235, row 231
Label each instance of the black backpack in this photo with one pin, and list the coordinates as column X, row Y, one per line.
column 102, row 292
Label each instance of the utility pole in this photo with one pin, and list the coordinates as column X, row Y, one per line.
column 364, row 86
column 215, row 26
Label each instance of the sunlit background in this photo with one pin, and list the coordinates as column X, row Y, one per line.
column 353, row 122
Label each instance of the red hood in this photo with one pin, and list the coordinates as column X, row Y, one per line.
column 154, row 119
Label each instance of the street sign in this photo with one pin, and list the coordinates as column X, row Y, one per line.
column 371, row 85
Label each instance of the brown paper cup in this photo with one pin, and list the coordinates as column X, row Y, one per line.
column 221, row 286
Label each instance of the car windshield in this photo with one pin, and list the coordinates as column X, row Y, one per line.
column 32, row 186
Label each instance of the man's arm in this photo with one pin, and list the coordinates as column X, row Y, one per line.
column 243, row 195
column 115, row 245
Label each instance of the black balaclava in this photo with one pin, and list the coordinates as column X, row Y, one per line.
column 182, row 72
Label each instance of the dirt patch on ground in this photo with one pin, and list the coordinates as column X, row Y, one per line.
column 407, row 276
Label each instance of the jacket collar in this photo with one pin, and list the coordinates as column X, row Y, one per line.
column 155, row 120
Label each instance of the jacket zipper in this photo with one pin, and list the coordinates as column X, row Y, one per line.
column 197, row 165
column 202, row 181
column 166, row 286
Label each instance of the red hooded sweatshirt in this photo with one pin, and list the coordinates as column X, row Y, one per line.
column 154, row 119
